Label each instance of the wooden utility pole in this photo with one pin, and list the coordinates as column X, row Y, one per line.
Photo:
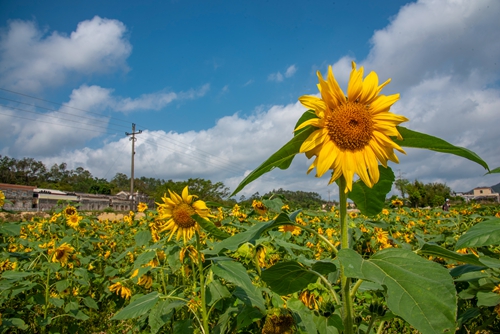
column 132, row 139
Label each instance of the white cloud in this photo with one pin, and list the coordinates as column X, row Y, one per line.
column 221, row 153
column 49, row 132
column 278, row 77
column 290, row 71
column 31, row 58
column 37, row 133
column 442, row 57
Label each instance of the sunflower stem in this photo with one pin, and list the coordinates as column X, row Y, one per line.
column 204, row 314
column 344, row 280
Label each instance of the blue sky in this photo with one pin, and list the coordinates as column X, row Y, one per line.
column 214, row 84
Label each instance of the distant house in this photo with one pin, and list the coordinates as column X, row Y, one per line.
column 29, row 198
column 21, row 197
column 481, row 193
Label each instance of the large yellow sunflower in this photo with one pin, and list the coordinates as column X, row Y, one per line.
column 177, row 211
column 353, row 132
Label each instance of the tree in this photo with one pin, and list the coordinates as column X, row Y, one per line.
column 430, row 194
column 120, row 182
column 401, row 185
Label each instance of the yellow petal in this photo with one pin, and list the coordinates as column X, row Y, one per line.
column 314, row 103
column 316, row 122
column 355, row 86
column 335, row 89
column 370, row 88
column 185, row 194
column 315, row 139
column 325, row 158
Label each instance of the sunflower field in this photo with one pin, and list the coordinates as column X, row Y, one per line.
column 267, row 269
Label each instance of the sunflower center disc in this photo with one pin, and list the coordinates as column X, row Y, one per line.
column 182, row 215
column 350, row 126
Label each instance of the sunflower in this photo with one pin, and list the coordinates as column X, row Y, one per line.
column 120, row 290
column 141, row 207
column 259, row 207
column 353, row 133
column 62, row 253
column 290, row 228
column 2, row 198
column 69, row 211
column 177, row 211
column 73, row 221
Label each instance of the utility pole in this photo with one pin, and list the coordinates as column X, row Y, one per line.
column 132, row 139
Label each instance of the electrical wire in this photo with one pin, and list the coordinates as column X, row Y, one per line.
column 221, row 161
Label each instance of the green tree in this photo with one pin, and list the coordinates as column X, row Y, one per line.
column 402, row 185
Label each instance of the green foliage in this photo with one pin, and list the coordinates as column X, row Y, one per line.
column 420, row 291
column 416, row 139
column 430, row 194
column 370, row 201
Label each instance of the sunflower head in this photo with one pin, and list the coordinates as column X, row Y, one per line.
column 176, row 212
column 61, row 254
column 70, row 211
column 141, row 207
column 259, row 207
column 290, row 228
column 353, row 132
column 2, row 198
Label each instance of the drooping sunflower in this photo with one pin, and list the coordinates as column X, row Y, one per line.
column 177, row 211
column 120, row 290
column 353, row 132
column 259, row 207
column 61, row 254
column 290, row 228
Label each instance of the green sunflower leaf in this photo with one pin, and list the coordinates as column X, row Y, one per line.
column 485, row 233
column 420, row 291
column 283, row 157
column 370, row 201
column 288, row 277
column 416, row 139
column 496, row 170
column 246, row 291
column 210, row 227
column 250, row 235
column 138, row 307
column 436, row 250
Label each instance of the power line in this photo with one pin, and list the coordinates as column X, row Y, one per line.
column 203, row 156
column 163, row 136
column 60, row 104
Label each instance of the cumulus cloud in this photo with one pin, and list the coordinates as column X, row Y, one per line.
column 442, row 57
column 31, row 58
column 71, row 125
column 34, row 131
column 221, row 153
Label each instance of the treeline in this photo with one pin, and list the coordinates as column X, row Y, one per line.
column 419, row 194
column 294, row 199
column 28, row 171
